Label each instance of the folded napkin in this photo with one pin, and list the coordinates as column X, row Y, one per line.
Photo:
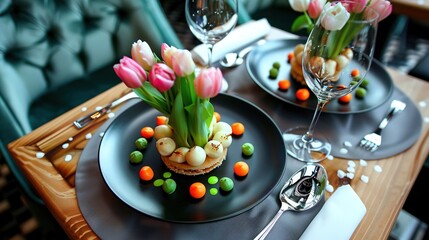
column 338, row 218
column 239, row 37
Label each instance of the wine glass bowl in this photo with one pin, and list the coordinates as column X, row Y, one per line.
column 335, row 60
column 211, row 20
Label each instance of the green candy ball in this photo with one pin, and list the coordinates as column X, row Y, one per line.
column 226, row 184
column 169, row 186
column 247, row 149
column 274, row 72
column 276, row 65
column 141, row 143
column 360, row 92
column 136, row 157
column 364, row 83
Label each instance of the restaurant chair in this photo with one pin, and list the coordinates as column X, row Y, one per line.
column 56, row 54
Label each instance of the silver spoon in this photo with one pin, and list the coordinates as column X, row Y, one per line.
column 301, row 192
column 234, row 59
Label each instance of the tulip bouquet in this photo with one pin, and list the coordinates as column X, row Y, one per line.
column 312, row 9
column 170, row 85
column 342, row 22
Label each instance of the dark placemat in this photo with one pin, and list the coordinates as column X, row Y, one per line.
column 401, row 133
column 110, row 218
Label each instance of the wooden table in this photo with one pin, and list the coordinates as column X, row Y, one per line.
column 416, row 9
column 53, row 177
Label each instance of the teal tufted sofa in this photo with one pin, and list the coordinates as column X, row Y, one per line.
column 56, row 54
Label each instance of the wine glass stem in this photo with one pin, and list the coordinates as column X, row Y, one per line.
column 308, row 136
column 210, row 53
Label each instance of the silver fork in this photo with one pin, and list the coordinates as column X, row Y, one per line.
column 372, row 141
column 85, row 120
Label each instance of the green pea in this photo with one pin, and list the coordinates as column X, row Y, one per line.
column 247, row 149
column 158, row 182
column 364, row 83
column 213, row 191
column 226, row 184
column 136, row 157
column 276, row 65
column 274, row 72
column 213, row 180
column 357, row 78
column 360, row 92
column 353, row 82
column 166, row 174
column 169, row 186
column 141, row 143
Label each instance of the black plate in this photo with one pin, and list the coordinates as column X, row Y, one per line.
column 260, row 60
column 267, row 165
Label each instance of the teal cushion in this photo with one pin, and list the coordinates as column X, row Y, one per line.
column 63, row 98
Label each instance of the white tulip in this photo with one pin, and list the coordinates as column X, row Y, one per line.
column 334, row 17
column 299, row 5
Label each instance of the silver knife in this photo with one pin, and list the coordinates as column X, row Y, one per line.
column 85, row 120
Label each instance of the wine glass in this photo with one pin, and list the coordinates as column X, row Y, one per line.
column 329, row 57
column 210, row 21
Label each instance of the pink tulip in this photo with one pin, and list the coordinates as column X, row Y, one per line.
column 161, row 77
column 382, row 7
column 335, row 17
column 142, row 53
column 208, row 83
column 315, row 8
column 130, row 72
column 167, row 53
column 356, row 6
column 182, row 63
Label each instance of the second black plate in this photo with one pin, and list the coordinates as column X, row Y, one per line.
column 260, row 60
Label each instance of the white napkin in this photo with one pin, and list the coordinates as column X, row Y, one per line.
column 239, row 37
column 338, row 218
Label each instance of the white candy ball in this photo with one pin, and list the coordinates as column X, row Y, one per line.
column 222, row 126
column 165, row 146
column 196, row 156
column 162, row 131
column 179, row 155
column 213, row 148
column 224, row 138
